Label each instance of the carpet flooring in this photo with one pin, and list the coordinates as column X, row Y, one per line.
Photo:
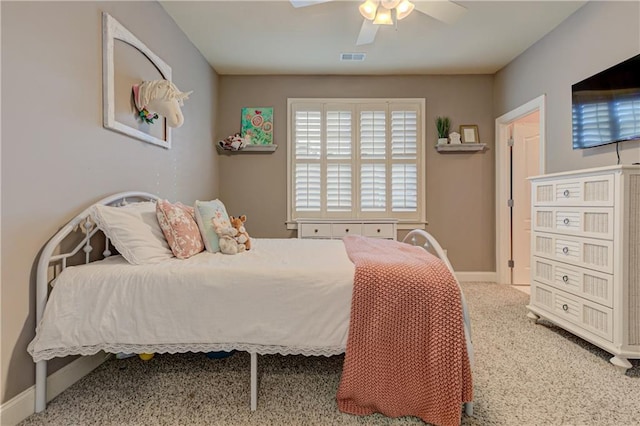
column 524, row 374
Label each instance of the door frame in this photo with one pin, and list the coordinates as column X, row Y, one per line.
column 502, row 131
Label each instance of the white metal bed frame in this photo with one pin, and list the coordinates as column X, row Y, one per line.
column 84, row 224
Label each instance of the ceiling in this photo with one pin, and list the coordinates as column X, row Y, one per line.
column 273, row 37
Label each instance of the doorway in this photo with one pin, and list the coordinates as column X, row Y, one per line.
column 520, row 146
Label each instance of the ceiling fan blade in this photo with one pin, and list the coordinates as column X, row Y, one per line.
column 445, row 11
column 367, row 33
column 305, row 3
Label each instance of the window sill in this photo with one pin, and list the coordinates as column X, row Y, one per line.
column 293, row 225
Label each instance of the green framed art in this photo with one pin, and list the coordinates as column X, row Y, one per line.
column 257, row 125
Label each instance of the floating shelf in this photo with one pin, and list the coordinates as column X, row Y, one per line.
column 249, row 149
column 461, row 147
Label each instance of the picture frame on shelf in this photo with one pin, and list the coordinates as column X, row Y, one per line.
column 257, row 125
column 469, row 133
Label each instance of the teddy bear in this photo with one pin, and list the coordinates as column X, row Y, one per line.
column 238, row 224
column 227, row 237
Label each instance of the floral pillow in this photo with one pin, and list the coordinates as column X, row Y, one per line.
column 179, row 226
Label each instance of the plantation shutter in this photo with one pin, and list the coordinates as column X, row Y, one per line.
column 356, row 158
column 308, row 150
column 373, row 154
column 339, row 138
column 404, row 157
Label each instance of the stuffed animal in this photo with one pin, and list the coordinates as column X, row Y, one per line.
column 233, row 143
column 243, row 236
column 227, row 237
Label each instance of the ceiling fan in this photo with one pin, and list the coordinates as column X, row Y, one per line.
column 388, row 12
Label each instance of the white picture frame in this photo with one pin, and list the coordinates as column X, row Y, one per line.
column 112, row 30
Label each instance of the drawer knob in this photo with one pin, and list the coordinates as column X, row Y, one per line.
column 315, row 230
column 565, row 250
column 566, row 220
column 378, row 230
column 346, row 230
column 565, row 278
column 566, row 193
column 565, row 307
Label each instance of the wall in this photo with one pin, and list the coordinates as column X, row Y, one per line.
column 597, row 36
column 56, row 156
column 460, row 187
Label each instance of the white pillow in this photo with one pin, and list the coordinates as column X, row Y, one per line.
column 134, row 231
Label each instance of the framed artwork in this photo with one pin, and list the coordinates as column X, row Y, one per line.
column 257, row 125
column 127, row 61
column 469, row 133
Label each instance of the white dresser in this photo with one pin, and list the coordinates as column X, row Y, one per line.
column 338, row 228
column 585, row 266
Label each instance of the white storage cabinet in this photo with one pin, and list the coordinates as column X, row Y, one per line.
column 585, row 248
column 338, row 228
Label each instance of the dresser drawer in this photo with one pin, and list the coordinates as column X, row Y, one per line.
column 339, row 230
column 379, row 230
column 593, row 222
column 592, row 285
column 587, row 315
column 585, row 252
column 573, row 191
column 314, row 230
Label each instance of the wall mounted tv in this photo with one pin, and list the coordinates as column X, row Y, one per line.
column 606, row 106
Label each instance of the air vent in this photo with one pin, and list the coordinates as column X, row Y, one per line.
column 352, row 56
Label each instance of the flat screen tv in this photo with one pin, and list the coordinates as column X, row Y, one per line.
column 606, row 106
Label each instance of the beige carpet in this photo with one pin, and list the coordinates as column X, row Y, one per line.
column 524, row 374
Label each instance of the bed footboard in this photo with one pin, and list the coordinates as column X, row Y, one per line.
column 419, row 237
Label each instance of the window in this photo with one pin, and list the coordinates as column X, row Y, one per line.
column 356, row 158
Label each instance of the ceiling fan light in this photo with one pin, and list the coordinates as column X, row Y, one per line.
column 383, row 17
column 368, row 9
column 390, row 4
column 404, row 9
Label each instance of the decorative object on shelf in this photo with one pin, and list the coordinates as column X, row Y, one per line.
column 469, row 133
column 234, row 142
column 454, row 138
column 257, row 125
column 159, row 96
column 443, row 124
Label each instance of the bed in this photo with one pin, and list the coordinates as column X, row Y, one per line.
column 284, row 296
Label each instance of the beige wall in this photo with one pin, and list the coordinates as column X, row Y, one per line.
column 597, row 36
column 460, row 187
column 57, row 157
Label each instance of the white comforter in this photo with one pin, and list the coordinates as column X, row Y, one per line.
column 283, row 296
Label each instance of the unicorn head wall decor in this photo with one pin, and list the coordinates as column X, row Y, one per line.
column 161, row 97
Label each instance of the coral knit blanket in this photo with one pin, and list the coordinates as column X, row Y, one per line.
column 406, row 351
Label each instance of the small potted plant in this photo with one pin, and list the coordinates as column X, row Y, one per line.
column 442, row 126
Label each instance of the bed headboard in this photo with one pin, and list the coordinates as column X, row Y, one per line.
column 86, row 226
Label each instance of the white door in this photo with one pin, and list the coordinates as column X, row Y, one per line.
column 525, row 163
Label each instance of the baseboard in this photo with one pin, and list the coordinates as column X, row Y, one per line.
column 491, row 277
column 22, row 405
